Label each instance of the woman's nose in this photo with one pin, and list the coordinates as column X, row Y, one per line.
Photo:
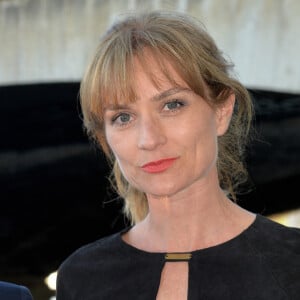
column 150, row 134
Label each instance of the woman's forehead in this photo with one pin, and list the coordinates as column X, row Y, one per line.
column 145, row 70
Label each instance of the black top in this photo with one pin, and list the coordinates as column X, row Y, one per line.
column 263, row 262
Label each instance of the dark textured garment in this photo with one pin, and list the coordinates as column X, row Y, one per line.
column 11, row 291
column 261, row 263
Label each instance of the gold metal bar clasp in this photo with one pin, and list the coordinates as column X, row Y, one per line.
column 178, row 256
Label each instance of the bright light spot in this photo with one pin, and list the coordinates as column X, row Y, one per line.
column 289, row 218
column 50, row 281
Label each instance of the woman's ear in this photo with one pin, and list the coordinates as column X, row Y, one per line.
column 224, row 113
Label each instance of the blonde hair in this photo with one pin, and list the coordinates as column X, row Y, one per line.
column 184, row 42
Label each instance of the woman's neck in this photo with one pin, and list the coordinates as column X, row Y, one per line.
column 183, row 224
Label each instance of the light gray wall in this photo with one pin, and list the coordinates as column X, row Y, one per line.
column 52, row 40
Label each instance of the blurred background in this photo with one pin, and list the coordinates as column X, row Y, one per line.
column 53, row 183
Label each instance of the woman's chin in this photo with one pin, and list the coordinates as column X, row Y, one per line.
column 161, row 191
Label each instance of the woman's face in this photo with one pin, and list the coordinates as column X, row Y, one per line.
column 165, row 141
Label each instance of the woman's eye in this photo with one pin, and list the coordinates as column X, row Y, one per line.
column 173, row 105
column 122, row 119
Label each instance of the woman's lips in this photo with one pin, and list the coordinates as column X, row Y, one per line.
column 159, row 165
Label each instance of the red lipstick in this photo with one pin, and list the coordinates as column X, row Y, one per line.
column 159, row 165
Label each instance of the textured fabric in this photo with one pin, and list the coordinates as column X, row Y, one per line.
column 11, row 291
column 262, row 263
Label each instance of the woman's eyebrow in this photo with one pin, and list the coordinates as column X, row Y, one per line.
column 116, row 107
column 169, row 92
column 158, row 97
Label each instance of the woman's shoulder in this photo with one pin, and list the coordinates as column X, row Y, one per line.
column 93, row 251
column 269, row 236
column 79, row 270
column 94, row 260
column 277, row 248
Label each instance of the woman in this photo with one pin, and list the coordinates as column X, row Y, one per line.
column 159, row 99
